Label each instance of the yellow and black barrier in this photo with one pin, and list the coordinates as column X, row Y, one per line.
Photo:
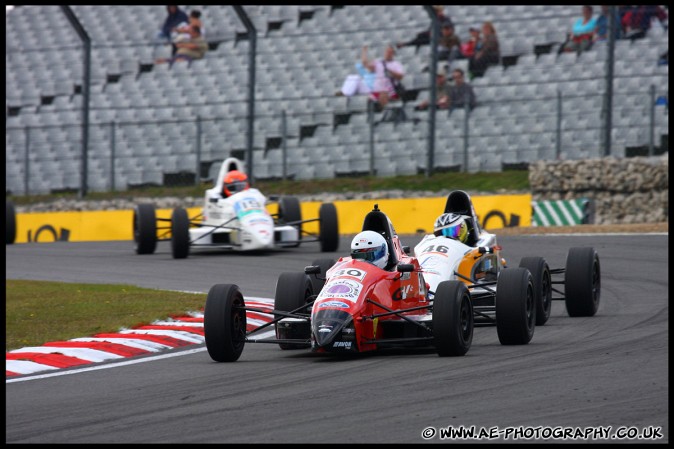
column 409, row 216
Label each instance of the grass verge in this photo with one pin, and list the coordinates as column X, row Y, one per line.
column 37, row 312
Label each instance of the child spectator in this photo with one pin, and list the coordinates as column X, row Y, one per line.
column 468, row 47
column 182, row 32
column 194, row 48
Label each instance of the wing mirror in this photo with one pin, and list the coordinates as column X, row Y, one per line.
column 406, row 249
column 405, row 268
column 312, row 269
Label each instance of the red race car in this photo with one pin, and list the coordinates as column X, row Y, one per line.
column 377, row 297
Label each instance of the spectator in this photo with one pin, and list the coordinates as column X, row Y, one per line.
column 182, row 32
column 442, row 96
column 195, row 48
column 637, row 20
column 602, row 23
column 486, row 51
column 468, row 47
column 388, row 71
column 176, row 16
column 358, row 84
column 424, row 37
column 460, row 93
column 582, row 33
column 449, row 45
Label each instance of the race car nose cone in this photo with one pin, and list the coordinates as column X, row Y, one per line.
column 327, row 324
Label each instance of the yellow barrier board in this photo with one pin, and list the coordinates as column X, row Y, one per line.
column 409, row 216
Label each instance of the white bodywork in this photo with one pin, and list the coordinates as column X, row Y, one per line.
column 243, row 217
column 440, row 257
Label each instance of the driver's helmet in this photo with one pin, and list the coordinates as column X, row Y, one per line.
column 370, row 247
column 234, row 182
column 453, row 226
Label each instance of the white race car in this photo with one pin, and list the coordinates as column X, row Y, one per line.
column 234, row 217
column 513, row 299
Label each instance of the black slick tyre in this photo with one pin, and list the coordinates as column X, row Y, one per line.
column 290, row 212
column 180, row 233
column 540, row 272
column 292, row 292
column 452, row 319
column 515, row 307
column 328, row 227
column 582, row 282
column 225, row 323
column 145, row 228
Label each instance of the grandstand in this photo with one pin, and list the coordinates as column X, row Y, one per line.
column 143, row 117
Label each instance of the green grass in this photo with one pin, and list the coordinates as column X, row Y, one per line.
column 479, row 182
column 38, row 312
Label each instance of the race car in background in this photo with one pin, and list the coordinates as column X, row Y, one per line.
column 234, row 217
column 515, row 300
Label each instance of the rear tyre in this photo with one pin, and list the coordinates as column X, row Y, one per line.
column 540, row 272
column 289, row 212
column 145, row 228
column 225, row 323
column 318, row 281
column 328, row 227
column 180, row 233
column 10, row 223
column 582, row 282
column 515, row 306
column 452, row 319
column 292, row 291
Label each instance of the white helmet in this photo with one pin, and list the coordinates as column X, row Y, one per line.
column 370, row 247
column 453, row 226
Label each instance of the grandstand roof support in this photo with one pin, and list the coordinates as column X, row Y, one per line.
column 86, row 40
column 435, row 27
column 252, row 49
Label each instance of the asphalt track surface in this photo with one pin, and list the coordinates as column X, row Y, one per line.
column 606, row 370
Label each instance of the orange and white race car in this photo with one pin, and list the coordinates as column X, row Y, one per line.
column 513, row 299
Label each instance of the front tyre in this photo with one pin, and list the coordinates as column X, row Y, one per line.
column 292, row 292
column 290, row 212
column 180, row 233
column 145, row 228
column 540, row 272
column 452, row 319
column 328, row 227
column 582, row 282
column 515, row 306
column 225, row 323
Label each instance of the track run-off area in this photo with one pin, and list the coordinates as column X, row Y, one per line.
column 602, row 376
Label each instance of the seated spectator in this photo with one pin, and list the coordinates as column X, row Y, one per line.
column 487, row 52
column 602, row 23
column 468, row 47
column 461, row 93
column 424, row 37
column 358, row 84
column 442, row 93
column 388, row 72
column 637, row 20
column 176, row 16
column 181, row 33
column 449, row 45
column 195, row 48
column 582, row 33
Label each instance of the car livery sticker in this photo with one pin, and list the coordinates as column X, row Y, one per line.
column 345, row 289
column 247, row 205
column 351, row 272
column 338, row 304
